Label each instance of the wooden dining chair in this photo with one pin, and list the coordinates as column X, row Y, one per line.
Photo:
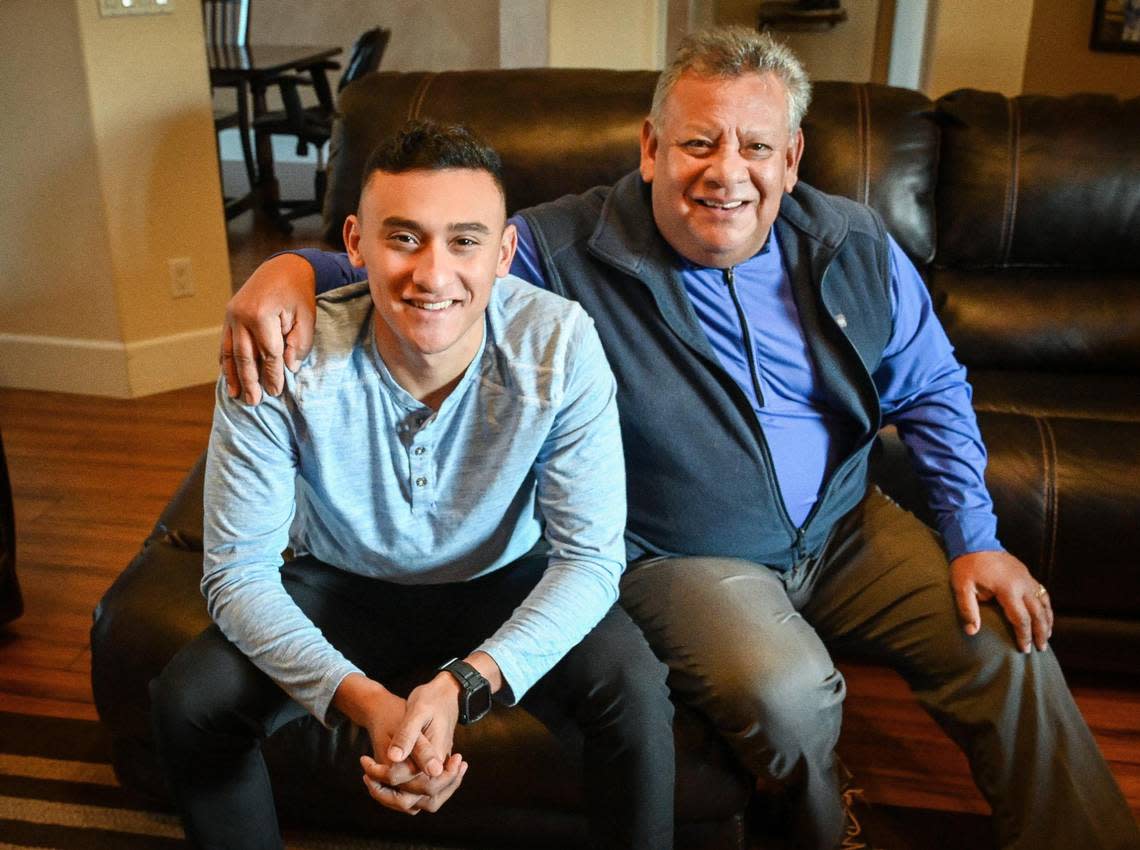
column 226, row 22
column 312, row 125
column 226, row 25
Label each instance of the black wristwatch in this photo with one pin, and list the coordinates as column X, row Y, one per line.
column 474, row 690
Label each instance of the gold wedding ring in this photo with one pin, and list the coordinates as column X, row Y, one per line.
column 1041, row 591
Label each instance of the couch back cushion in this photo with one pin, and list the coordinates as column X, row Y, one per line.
column 559, row 131
column 562, row 131
column 1038, row 261
column 877, row 145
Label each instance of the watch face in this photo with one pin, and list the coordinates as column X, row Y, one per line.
column 478, row 703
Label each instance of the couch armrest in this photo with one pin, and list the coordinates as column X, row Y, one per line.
column 153, row 608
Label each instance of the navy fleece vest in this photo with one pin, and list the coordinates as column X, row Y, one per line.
column 700, row 477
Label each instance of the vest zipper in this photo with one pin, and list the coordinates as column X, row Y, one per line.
column 754, row 373
column 749, row 348
column 800, row 553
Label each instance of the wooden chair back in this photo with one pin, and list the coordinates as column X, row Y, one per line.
column 226, row 22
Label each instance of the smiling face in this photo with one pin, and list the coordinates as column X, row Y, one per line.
column 433, row 242
column 719, row 160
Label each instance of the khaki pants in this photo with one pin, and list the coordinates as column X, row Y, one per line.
column 750, row 647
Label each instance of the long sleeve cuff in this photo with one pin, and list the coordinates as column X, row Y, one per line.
column 516, row 679
column 969, row 531
column 322, row 707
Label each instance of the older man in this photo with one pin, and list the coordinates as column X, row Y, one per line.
column 761, row 333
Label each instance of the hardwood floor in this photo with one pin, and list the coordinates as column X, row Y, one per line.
column 90, row 476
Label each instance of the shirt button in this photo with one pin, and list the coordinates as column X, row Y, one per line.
column 421, row 482
column 419, row 450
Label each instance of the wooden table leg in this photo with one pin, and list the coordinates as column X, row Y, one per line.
column 268, row 189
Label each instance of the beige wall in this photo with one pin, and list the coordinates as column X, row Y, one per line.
column 56, row 275
column 524, row 40
column 973, row 43
column 1015, row 46
column 427, row 35
column 111, row 171
column 620, row 34
column 1059, row 60
column 844, row 52
column 977, row 44
column 148, row 92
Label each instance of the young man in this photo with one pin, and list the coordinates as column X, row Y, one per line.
column 446, row 467
column 761, row 332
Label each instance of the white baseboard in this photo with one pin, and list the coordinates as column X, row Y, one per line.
column 109, row 368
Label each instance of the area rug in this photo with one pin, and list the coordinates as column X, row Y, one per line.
column 58, row 792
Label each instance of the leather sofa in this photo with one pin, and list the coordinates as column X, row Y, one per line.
column 1023, row 215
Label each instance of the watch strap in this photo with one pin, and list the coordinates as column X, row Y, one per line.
column 474, row 690
column 468, row 677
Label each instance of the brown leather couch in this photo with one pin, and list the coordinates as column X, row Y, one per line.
column 1024, row 216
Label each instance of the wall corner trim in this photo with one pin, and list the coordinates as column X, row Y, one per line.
column 108, row 367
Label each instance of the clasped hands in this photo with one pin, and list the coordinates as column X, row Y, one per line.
column 412, row 769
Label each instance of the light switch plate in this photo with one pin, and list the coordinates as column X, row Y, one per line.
column 181, row 277
column 116, row 8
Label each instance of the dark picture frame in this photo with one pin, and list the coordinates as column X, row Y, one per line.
column 1116, row 26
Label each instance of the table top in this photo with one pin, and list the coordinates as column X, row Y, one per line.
column 257, row 60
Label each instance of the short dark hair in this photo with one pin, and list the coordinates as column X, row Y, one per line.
column 429, row 145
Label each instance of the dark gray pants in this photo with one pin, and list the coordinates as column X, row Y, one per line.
column 606, row 700
column 749, row 647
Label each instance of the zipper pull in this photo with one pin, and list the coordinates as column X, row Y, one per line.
column 800, row 545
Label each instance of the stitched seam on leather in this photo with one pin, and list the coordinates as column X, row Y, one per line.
column 1048, row 491
column 1011, row 186
column 419, row 96
column 1054, row 502
column 865, row 140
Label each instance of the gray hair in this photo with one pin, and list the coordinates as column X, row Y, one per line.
column 731, row 51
